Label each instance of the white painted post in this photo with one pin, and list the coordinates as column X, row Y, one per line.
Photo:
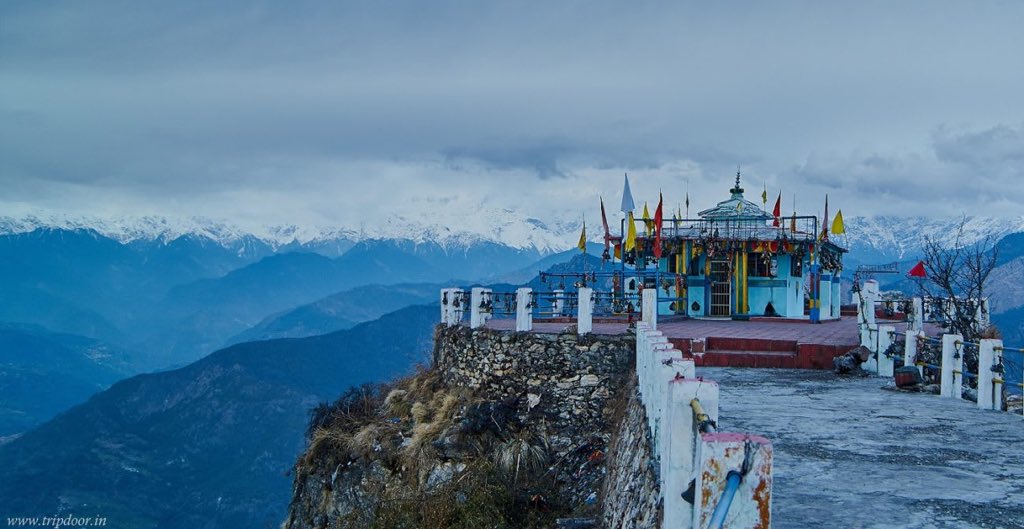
column 837, row 303
column 910, row 348
column 825, row 297
column 458, row 305
column 678, row 446
column 558, row 305
column 649, row 304
column 917, row 322
column 990, row 397
column 870, row 293
column 952, row 368
column 669, row 364
column 445, row 306
column 524, row 310
column 641, row 346
column 585, row 311
column 886, row 335
column 717, row 455
column 869, row 339
column 656, row 343
column 477, row 315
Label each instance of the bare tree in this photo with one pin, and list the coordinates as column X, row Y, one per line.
column 959, row 272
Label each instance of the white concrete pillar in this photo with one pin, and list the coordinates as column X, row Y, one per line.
column 558, row 305
column 910, row 348
column 656, row 343
column 446, row 306
column 479, row 310
column 825, row 295
column 886, row 335
column 837, row 289
column 585, row 311
column 869, row 339
column 917, row 322
column 990, row 395
column 678, row 446
column 720, row 453
column 669, row 364
column 524, row 309
column 871, row 296
column 641, row 346
column 649, row 310
column 451, row 306
column 952, row 366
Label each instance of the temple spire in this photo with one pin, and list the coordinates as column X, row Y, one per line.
column 737, row 191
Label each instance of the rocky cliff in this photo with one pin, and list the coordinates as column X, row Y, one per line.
column 504, row 430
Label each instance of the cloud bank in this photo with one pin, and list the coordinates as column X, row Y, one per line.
column 337, row 112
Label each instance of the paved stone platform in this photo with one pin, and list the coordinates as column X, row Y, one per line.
column 837, row 332
column 850, row 454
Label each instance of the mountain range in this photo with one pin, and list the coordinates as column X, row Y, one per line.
column 240, row 333
column 209, row 444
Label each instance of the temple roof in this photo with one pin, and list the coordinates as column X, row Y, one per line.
column 736, row 207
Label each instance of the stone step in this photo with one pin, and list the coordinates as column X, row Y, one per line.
column 727, row 358
column 750, row 344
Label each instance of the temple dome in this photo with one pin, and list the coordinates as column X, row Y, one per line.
column 736, row 207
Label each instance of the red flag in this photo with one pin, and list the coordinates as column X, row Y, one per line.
column 657, row 229
column 918, row 270
column 604, row 220
column 824, row 223
column 777, row 212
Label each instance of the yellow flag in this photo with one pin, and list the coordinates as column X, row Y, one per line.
column 582, row 245
column 837, row 224
column 630, row 241
column 647, row 220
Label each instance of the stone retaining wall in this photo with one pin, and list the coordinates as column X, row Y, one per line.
column 571, row 379
column 630, row 496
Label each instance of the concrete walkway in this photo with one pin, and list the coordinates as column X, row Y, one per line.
column 852, row 455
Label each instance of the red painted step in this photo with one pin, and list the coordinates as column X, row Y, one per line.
column 751, row 344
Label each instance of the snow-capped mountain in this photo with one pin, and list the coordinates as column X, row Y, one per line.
column 896, row 238
column 878, row 237
column 451, row 230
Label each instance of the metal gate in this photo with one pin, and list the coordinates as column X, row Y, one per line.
column 721, row 288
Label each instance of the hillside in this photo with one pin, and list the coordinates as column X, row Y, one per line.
column 339, row 311
column 207, row 445
column 71, row 368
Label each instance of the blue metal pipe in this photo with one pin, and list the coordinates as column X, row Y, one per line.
column 732, row 484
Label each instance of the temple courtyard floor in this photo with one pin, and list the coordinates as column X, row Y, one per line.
column 835, row 332
column 849, row 454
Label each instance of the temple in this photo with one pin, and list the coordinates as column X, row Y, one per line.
column 735, row 261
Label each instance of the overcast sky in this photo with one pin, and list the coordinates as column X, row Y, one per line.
column 322, row 112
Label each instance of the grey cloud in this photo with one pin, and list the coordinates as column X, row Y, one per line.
column 197, row 100
column 1001, row 146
